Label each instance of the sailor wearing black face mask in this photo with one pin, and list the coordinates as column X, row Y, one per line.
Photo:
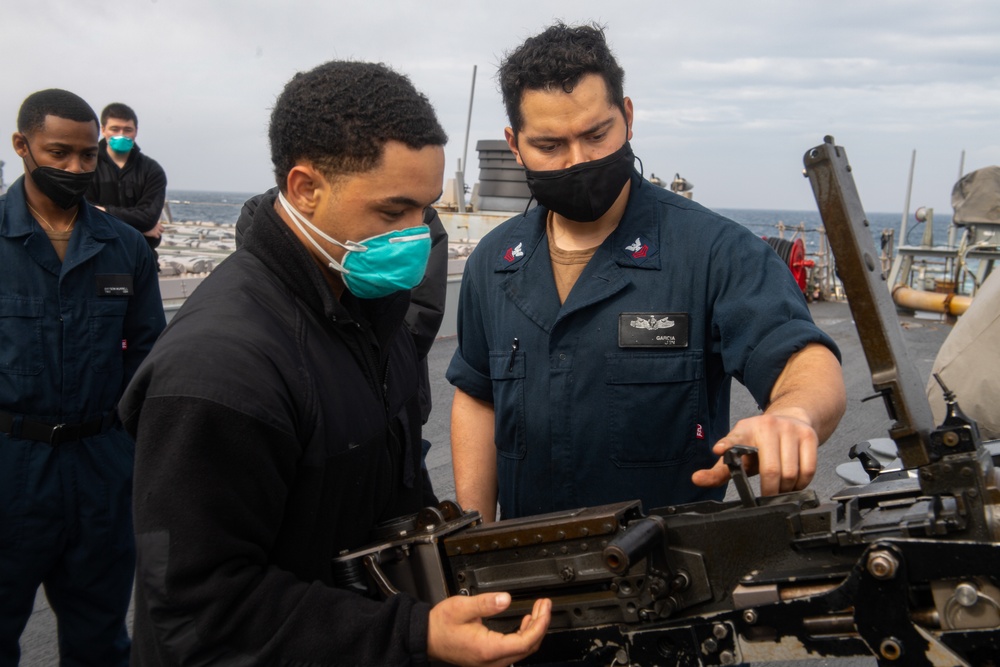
column 65, row 188
column 79, row 309
column 599, row 331
column 585, row 191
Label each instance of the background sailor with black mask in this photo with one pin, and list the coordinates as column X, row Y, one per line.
column 79, row 310
column 599, row 332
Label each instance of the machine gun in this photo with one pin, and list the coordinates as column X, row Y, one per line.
column 905, row 568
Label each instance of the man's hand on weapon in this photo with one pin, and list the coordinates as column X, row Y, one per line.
column 786, row 453
column 807, row 400
column 456, row 634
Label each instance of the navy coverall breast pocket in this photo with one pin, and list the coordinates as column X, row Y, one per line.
column 507, row 370
column 649, row 396
column 21, row 347
column 107, row 326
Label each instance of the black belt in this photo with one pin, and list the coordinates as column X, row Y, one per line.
column 54, row 434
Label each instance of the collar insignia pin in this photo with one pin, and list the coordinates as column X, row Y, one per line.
column 638, row 248
column 514, row 253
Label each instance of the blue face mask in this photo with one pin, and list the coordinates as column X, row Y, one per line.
column 121, row 143
column 377, row 266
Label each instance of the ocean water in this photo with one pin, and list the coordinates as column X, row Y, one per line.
column 765, row 222
column 206, row 206
column 224, row 208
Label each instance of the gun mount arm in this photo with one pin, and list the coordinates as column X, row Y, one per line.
column 859, row 270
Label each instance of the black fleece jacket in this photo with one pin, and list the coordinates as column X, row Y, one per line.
column 427, row 300
column 134, row 193
column 275, row 426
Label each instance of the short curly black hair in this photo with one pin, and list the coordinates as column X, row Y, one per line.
column 339, row 116
column 558, row 58
column 52, row 102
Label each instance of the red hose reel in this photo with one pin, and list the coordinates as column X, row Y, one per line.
column 793, row 254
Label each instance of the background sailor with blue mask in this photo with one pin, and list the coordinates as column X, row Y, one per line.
column 129, row 184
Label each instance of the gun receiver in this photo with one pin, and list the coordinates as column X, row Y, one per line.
column 905, row 568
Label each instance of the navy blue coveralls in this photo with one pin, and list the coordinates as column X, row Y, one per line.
column 72, row 334
column 620, row 392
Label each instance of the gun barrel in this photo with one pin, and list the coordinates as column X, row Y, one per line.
column 632, row 545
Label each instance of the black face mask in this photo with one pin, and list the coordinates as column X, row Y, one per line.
column 64, row 188
column 585, row 191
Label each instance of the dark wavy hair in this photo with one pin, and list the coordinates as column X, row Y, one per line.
column 52, row 102
column 339, row 116
column 558, row 58
column 119, row 111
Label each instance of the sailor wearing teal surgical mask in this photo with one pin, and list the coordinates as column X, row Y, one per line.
column 376, row 267
column 371, row 244
column 120, row 135
column 298, row 382
column 129, row 184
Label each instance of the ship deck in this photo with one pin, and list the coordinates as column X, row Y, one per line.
column 864, row 420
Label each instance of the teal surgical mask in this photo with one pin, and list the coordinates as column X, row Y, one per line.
column 377, row 266
column 121, row 143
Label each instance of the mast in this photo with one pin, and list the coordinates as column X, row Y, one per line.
column 460, row 174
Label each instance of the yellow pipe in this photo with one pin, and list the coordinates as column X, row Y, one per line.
column 937, row 302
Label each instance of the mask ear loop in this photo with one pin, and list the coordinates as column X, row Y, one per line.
column 531, row 198
column 528, row 205
column 28, row 144
column 641, row 179
column 641, row 168
column 301, row 220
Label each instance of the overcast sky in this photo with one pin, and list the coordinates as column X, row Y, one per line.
column 729, row 94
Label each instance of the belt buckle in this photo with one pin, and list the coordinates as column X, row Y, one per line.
column 55, row 432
